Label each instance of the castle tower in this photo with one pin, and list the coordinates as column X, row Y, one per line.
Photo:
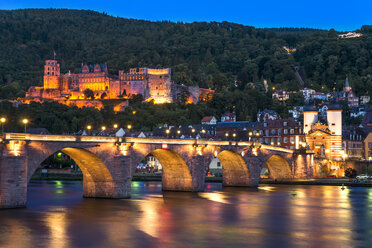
column 310, row 117
column 51, row 74
column 334, row 119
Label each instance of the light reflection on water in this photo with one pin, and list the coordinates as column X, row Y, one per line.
column 269, row 216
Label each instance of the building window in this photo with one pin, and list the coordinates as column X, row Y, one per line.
column 265, row 124
column 272, row 131
column 292, row 131
column 285, row 123
column 291, row 139
column 279, row 132
column 267, row 132
column 218, row 164
column 285, row 139
column 285, row 131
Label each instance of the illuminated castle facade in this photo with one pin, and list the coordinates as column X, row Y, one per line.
column 152, row 84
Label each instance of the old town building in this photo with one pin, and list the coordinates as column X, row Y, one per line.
column 324, row 137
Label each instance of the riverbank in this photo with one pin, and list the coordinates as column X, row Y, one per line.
column 156, row 178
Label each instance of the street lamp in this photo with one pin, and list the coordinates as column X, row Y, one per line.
column 178, row 131
column 25, row 121
column 115, row 125
column 129, row 127
column 227, row 135
column 89, row 127
column 3, row 120
column 193, row 130
column 203, row 130
column 103, row 128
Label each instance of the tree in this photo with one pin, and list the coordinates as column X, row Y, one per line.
column 88, row 94
column 350, row 173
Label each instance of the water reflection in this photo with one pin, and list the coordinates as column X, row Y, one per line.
column 269, row 216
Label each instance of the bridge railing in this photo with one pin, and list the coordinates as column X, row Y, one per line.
column 73, row 138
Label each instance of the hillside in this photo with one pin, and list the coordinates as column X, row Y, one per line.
column 211, row 55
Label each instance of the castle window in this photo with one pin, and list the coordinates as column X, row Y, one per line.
column 53, row 73
column 333, row 124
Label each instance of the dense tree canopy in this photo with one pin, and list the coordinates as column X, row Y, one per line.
column 231, row 58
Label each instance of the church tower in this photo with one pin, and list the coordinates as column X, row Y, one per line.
column 51, row 74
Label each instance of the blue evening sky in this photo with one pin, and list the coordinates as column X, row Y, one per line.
column 325, row 14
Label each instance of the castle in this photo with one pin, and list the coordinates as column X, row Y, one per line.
column 71, row 88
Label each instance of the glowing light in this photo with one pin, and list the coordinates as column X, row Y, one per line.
column 257, row 134
column 3, row 119
column 203, row 130
column 193, row 130
column 158, row 71
column 116, row 126
column 250, row 134
column 25, row 121
column 234, row 135
column 227, row 134
column 167, row 131
column 178, row 131
column 215, row 196
column 164, row 146
column 215, row 153
column 89, row 127
column 129, row 126
column 134, row 112
column 103, row 128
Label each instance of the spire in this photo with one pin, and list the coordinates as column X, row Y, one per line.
column 347, row 82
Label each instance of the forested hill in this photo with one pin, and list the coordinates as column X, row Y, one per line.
column 212, row 55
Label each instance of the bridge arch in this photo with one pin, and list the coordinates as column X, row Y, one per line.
column 235, row 170
column 279, row 167
column 97, row 179
column 176, row 175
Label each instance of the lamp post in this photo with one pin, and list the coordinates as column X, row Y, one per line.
column 250, row 135
column 167, row 132
column 116, row 125
column 3, row 120
column 25, row 121
column 129, row 127
column 203, row 132
column 226, row 135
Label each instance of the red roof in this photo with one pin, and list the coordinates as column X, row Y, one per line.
column 231, row 115
column 207, row 118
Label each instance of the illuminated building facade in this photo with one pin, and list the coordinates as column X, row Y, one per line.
column 152, row 84
column 325, row 138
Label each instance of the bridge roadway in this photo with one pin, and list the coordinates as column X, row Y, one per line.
column 108, row 163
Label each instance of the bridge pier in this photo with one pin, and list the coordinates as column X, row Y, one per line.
column 13, row 178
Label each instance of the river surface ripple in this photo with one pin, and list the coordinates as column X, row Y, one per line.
column 270, row 216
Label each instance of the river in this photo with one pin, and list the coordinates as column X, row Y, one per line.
column 270, row 216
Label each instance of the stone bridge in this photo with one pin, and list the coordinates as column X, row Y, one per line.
column 108, row 163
